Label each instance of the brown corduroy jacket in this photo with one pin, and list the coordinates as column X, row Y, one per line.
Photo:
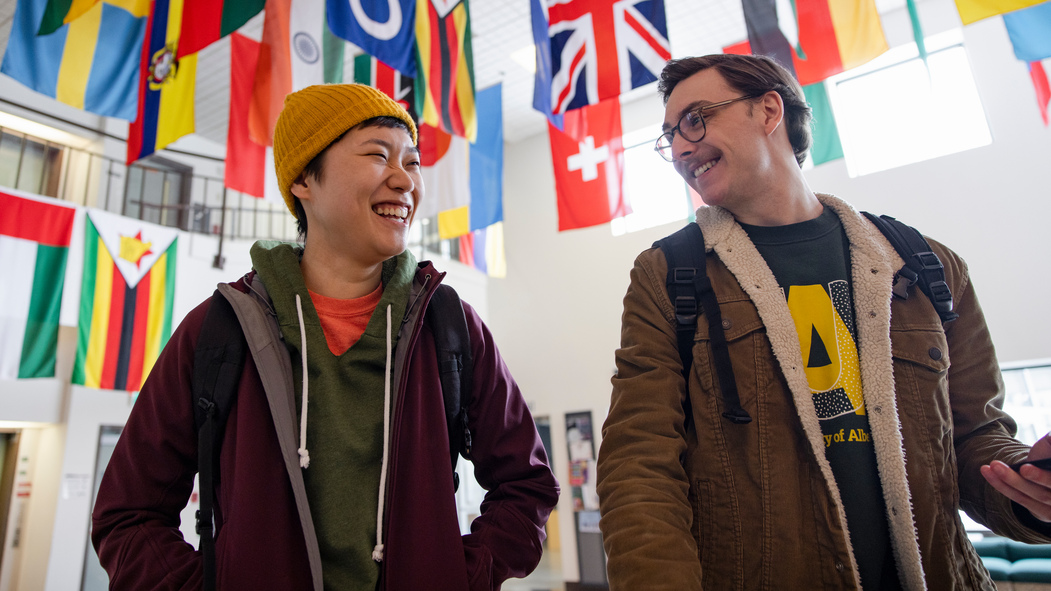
column 715, row 505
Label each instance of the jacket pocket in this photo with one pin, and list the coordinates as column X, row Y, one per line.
column 479, row 567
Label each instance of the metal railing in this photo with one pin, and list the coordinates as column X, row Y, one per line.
column 180, row 199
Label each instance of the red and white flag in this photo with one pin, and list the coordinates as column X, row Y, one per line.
column 588, row 158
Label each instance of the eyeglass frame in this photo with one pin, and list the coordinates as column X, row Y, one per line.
column 670, row 134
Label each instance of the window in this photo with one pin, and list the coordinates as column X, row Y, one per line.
column 157, row 191
column 655, row 192
column 29, row 163
column 1028, row 387
column 895, row 111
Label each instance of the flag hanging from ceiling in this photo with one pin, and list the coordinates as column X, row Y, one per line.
column 542, row 53
column 1030, row 33
column 589, row 166
column 385, row 29
column 166, row 85
column 487, row 161
column 484, row 250
column 126, row 300
column 289, row 59
column 445, row 67
column 975, row 10
column 71, row 65
column 826, row 146
column 769, row 30
column 444, row 159
column 372, row 72
column 483, row 205
column 206, row 21
column 1043, row 89
column 34, row 247
column 601, row 49
column 833, row 35
column 245, row 159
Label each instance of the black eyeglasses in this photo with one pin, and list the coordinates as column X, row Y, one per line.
column 691, row 127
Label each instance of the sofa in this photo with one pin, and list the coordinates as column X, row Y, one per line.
column 1016, row 566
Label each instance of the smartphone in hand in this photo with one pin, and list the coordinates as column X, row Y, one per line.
column 1043, row 464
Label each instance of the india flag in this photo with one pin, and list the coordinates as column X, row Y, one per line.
column 34, row 245
column 126, row 300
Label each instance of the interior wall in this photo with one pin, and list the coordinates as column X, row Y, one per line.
column 557, row 314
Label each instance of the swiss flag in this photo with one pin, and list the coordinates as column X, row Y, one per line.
column 588, row 158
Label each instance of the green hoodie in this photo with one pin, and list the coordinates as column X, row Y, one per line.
column 344, row 410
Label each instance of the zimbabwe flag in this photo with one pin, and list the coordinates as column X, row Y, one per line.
column 445, row 67
column 126, row 301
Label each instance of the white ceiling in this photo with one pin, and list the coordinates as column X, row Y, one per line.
column 499, row 28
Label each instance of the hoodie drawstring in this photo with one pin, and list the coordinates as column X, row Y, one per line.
column 304, row 454
column 377, row 552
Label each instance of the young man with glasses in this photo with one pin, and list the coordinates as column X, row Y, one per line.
column 863, row 442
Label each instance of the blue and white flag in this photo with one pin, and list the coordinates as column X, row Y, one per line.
column 385, row 29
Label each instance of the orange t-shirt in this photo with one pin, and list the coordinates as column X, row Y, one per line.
column 344, row 321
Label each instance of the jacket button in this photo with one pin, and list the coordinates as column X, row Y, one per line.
column 727, row 324
column 935, row 353
column 839, row 566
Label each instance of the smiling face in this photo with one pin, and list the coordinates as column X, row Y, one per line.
column 365, row 202
column 727, row 166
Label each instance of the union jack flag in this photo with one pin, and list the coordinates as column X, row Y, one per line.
column 603, row 48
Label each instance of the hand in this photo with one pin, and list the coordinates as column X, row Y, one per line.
column 1031, row 486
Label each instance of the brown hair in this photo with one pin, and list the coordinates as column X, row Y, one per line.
column 752, row 75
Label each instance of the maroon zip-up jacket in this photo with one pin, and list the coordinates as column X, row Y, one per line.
column 265, row 536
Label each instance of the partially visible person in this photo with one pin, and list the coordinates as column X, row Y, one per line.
column 863, row 423
column 335, row 463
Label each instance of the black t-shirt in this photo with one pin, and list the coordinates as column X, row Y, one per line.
column 810, row 261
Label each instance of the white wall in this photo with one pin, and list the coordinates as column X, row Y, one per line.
column 557, row 314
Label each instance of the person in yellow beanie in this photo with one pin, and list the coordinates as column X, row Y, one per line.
column 334, row 454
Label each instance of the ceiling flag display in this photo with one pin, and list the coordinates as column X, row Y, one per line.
column 589, row 166
column 126, row 300
column 34, row 247
column 601, row 49
column 245, row 159
column 385, row 29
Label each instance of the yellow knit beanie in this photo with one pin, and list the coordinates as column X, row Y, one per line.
column 314, row 117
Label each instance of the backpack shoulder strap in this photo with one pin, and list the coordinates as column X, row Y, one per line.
column 922, row 265
column 448, row 324
column 218, row 360
column 690, row 291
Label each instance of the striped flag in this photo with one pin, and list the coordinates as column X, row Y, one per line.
column 370, row 71
column 206, row 21
column 71, row 65
column 34, row 246
column 126, row 300
column 445, row 67
column 166, row 85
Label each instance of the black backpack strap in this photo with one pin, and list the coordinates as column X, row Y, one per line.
column 217, row 364
column 447, row 322
column 688, row 285
column 922, row 265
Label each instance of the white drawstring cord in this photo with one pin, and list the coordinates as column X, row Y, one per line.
column 377, row 552
column 304, row 454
